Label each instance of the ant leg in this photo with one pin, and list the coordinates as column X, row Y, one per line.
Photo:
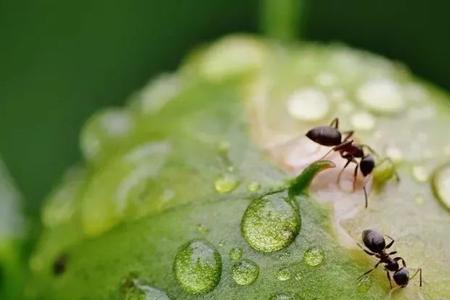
column 355, row 175
column 345, row 166
column 376, row 266
column 366, row 198
column 389, row 278
column 390, row 243
column 348, row 134
column 335, row 123
column 419, row 270
column 368, row 252
column 401, row 259
column 326, row 154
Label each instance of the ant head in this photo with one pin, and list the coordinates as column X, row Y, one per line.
column 367, row 165
column 373, row 240
column 401, row 277
column 325, row 135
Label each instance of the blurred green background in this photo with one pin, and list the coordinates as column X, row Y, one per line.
column 60, row 61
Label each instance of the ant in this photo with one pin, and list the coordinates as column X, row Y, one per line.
column 331, row 136
column 376, row 243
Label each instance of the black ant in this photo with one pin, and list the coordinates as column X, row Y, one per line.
column 376, row 243
column 347, row 148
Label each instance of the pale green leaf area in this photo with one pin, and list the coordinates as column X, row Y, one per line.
column 12, row 234
column 196, row 168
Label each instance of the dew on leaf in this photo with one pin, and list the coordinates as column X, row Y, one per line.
column 420, row 173
column 235, row 254
column 313, row 257
column 381, row 95
column 245, row 272
column 308, row 104
column 284, row 274
column 298, row 276
column 226, row 183
column 202, row 229
column 198, row 267
column 441, row 185
column 270, row 224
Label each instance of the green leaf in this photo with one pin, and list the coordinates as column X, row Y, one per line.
column 197, row 177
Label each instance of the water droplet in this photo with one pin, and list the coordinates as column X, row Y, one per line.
column 235, row 254
column 326, row 79
column 198, row 267
column 308, row 105
column 313, row 257
column 364, row 284
column 381, row 95
column 270, row 224
column 420, row 173
column 441, row 185
column 245, row 272
column 395, row 154
column 283, row 274
column 223, row 147
column 298, row 277
column 135, row 289
column 363, row 121
column 202, row 228
column 282, row 296
column 253, row 186
column 225, row 184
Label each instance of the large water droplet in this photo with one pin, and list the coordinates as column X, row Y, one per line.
column 284, row 274
column 135, row 289
column 198, row 267
column 235, row 254
column 308, row 105
column 313, row 257
column 245, row 272
column 441, row 185
column 225, row 184
column 270, row 224
column 282, row 296
column 381, row 95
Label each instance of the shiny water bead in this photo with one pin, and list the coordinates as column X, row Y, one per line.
column 226, row 183
column 313, row 257
column 270, row 224
column 235, row 254
column 381, row 95
column 198, row 267
column 245, row 272
column 441, row 185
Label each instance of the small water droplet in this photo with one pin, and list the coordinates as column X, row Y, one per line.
column 364, row 285
column 235, row 254
column 225, row 184
column 253, row 186
column 298, row 277
column 221, row 243
column 381, row 95
column 198, row 267
column 135, row 289
column 282, row 296
column 441, row 185
column 283, row 274
column 202, row 228
column 224, row 147
column 313, row 256
column 308, row 105
column 245, row 272
column 363, row 121
column 270, row 224
column 420, row 173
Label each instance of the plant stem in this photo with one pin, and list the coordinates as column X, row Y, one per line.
column 280, row 18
